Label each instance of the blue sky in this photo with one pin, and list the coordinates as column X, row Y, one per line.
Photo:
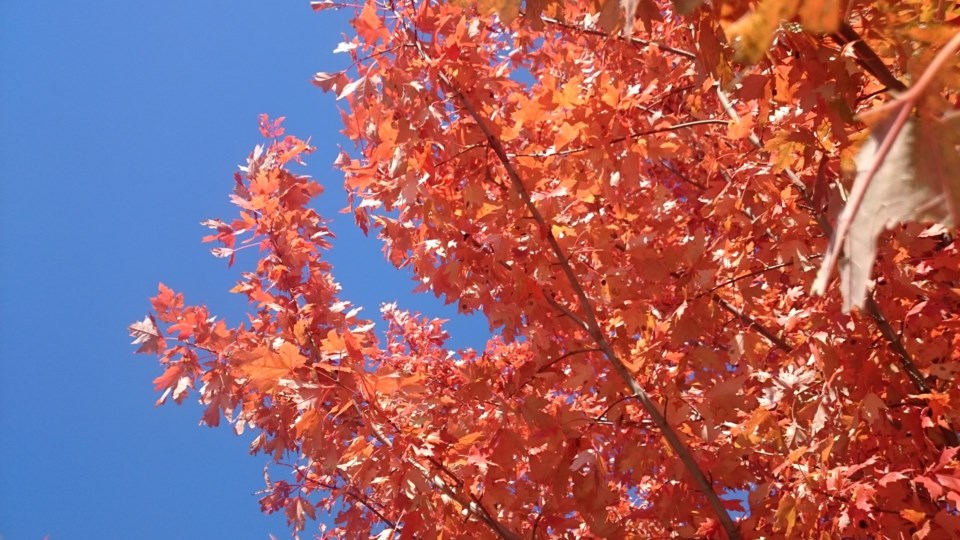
column 122, row 124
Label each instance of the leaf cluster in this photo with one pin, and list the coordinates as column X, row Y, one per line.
column 639, row 197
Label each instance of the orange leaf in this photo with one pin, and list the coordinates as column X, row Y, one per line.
column 265, row 367
column 914, row 516
column 369, row 26
column 169, row 377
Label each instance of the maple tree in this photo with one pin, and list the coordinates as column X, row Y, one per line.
column 640, row 196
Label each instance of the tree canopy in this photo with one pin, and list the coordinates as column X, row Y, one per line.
column 714, row 242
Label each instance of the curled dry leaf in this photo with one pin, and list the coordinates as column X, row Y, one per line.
column 146, row 334
column 913, row 183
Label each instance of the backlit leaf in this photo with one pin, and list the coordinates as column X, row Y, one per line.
column 913, row 183
column 146, row 334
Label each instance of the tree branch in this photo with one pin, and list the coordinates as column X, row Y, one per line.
column 866, row 57
column 611, row 406
column 634, row 40
column 536, row 523
column 550, row 364
column 674, row 127
column 741, row 277
column 593, row 327
column 752, row 323
column 361, row 499
column 905, row 361
column 573, row 316
column 682, row 177
column 474, row 505
column 872, row 307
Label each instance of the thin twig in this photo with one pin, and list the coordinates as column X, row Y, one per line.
column 550, row 364
column 752, row 323
column 873, row 309
column 566, row 311
column 460, row 153
column 634, row 40
column 941, row 10
column 741, row 277
column 682, row 176
column 362, row 500
column 611, row 406
column 476, row 501
column 631, row 136
column 536, row 523
column 470, row 506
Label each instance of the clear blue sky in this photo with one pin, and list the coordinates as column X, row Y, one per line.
column 122, row 123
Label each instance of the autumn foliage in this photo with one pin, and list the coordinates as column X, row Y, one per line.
column 714, row 242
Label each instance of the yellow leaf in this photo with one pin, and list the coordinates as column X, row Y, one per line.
column 742, row 128
column 559, row 231
column 914, row 516
column 507, row 10
column 753, row 33
column 821, row 16
column 786, row 516
column 467, row 441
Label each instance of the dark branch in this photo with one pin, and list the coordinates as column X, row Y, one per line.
column 593, row 327
column 867, row 58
